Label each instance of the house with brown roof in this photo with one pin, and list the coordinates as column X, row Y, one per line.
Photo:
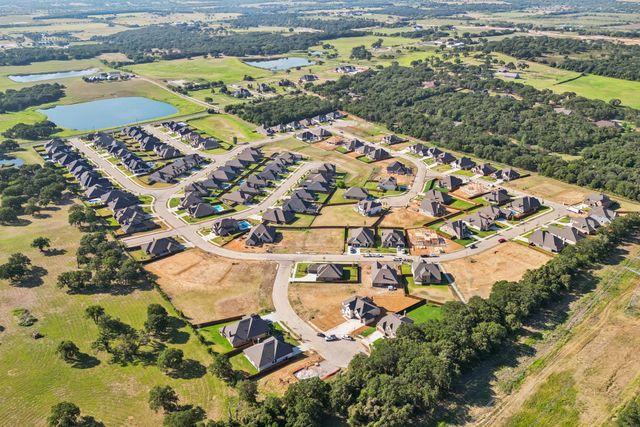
column 360, row 308
column 390, row 324
column 269, row 353
column 425, row 273
column 384, row 276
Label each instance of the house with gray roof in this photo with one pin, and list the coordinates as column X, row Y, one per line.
column 300, row 206
column 261, row 234
column 432, row 208
column 425, row 273
column 398, row 168
column 360, row 308
column 389, row 183
column 304, row 194
column 393, row 239
column 484, row 169
column 569, row 235
column 464, row 163
column 445, row 158
column 361, row 238
column 224, row 226
column 369, row 207
column 200, row 210
column 269, row 353
column 356, row 193
column 547, row 241
column 326, row 272
column 384, row 276
column 450, row 182
column 161, row 247
column 598, row 199
column 457, row 229
column 278, row 216
column 249, row 329
column 390, row 324
column 438, row 196
column 498, row 197
column 603, row 215
column 586, row 225
column 525, row 205
column 392, row 139
column 419, row 150
column 478, row 222
column 238, row 197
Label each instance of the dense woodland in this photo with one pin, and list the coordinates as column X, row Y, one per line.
column 601, row 58
column 185, row 41
column 281, row 109
column 37, row 131
column 28, row 55
column 508, row 122
column 18, row 100
column 292, row 20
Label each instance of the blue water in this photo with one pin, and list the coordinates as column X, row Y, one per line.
column 244, row 225
column 13, row 161
column 280, row 64
column 108, row 113
column 27, row 78
column 218, row 208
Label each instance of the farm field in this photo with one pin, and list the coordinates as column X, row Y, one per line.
column 476, row 274
column 35, row 377
column 225, row 127
column 205, row 287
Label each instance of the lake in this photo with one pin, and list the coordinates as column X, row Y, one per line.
column 27, row 78
column 10, row 161
column 108, row 113
column 280, row 64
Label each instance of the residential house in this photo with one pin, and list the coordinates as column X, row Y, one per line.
column 457, row 229
column 392, row 139
column 360, row 308
column 300, row 206
column 241, row 93
column 438, row 196
column 224, row 226
column 586, row 225
column 260, row 235
column 569, row 235
column 200, row 210
column 389, row 183
column 464, row 163
column 269, row 353
column 390, row 324
column 385, row 276
column 498, row 197
column 161, row 247
column 506, row 174
column 603, row 215
column 547, row 241
column 361, row 238
column 346, row 69
column 393, row 239
column 425, row 273
column 326, row 272
column 249, row 329
column 419, row 150
column 484, row 169
column 451, row 182
column 356, row 193
column 478, row 222
column 445, row 158
column 398, row 168
column 237, row 198
column 432, row 208
column 525, row 205
column 307, row 78
column 369, row 207
column 598, row 199
column 278, row 216
column 304, row 194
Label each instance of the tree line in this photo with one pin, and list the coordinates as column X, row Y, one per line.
column 28, row 55
column 293, row 20
column 281, row 109
column 604, row 59
column 508, row 122
column 32, row 132
column 17, row 100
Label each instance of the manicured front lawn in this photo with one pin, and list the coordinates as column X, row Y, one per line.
column 463, row 173
column 368, row 331
column 280, row 332
column 425, row 312
column 365, row 159
column 212, row 333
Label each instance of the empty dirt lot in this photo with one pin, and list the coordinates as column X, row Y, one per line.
column 475, row 275
column 206, row 287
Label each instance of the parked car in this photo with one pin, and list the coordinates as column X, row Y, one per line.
column 502, row 240
column 472, row 246
column 320, row 334
column 330, row 338
column 348, row 338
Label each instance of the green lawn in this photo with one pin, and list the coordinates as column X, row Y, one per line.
column 554, row 404
column 463, row 173
column 212, row 333
column 425, row 312
column 239, row 362
column 461, row 204
column 280, row 332
column 604, row 88
column 368, row 331
column 225, row 127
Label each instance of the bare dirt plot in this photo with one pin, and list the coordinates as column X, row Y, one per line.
column 404, row 218
column 380, row 171
column 437, row 293
column 277, row 382
column 343, row 215
column 206, row 287
column 326, row 240
column 319, row 303
column 475, row 275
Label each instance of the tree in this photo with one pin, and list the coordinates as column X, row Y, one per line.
column 8, row 215
column 248, row 391
column 41, row 243
column 221, row 368
column 156, row 324
column 64, row 414
column 185, row 418
column 32, row 207
column 130, row 272
column 16, row 268
column 170, row 359
column 163, row 397
column 630, row 415
column 68, row 351
column 76, row 215
column 307, row 402
column 94, row 312
column 74, row 281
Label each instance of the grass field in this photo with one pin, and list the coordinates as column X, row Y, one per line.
column 425, row 312
column 225, row 127
column 229, row 70
column 35, row 378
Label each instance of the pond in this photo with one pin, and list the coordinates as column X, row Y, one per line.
column 108, row 113
column 280, row 64
column 7, row 162
column 27, row 78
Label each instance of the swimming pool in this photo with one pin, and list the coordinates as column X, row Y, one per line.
column 244, row 225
